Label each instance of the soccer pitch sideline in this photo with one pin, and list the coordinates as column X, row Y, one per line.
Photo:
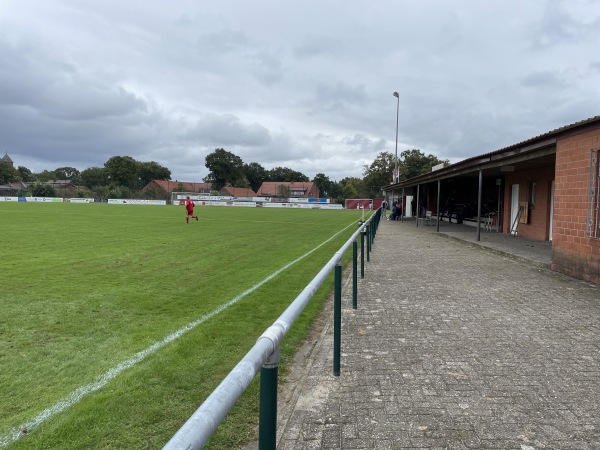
column 119, row 320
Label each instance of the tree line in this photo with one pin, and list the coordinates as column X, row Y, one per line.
column 124, row 177
column 227, row 168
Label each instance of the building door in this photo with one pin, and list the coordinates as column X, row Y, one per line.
column 551, row 208
column 514, row 208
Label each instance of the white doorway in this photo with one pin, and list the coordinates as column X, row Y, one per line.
column 514, row 209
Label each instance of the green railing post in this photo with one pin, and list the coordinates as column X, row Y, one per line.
column 374, row 232
column 362, row 254
column 375, row 225
column 368, row 242
column 267, row 425
column 354, row 274
column 337, row 320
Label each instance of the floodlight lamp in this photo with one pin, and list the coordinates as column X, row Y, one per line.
column 396, row 95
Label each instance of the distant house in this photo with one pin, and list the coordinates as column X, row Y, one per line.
column 60, row 184
column 297, row 189
column 10, row 189
column 237, row 192
column 179, row 186
column 62, row 187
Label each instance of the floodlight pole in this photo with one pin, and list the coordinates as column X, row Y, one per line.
column 396, row 159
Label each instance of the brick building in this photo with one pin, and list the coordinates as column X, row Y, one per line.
column 237, row 192
column 544, row 188
column 295, row 189
column 183, row 186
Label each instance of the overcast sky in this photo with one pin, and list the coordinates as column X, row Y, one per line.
column 306, row 85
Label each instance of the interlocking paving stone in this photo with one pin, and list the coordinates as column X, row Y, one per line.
column 455, row 345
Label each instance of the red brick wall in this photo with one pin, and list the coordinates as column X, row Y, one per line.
column 572, row 252
column 538, row 225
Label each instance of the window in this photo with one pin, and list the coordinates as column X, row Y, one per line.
column 531, row 194
column 593, row 223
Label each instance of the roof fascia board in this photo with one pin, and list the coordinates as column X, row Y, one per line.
column 505, row 156
column 490, row 161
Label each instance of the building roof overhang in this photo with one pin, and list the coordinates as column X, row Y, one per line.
column 536, row 152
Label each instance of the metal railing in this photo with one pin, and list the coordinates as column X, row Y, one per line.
column 264, row 355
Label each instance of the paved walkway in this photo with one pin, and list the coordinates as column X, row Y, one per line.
column 453, row 346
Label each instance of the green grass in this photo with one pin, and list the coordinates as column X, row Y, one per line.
column 85, row 287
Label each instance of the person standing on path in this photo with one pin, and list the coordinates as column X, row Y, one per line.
column 189, row 209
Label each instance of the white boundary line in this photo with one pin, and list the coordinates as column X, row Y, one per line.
column 74, row 397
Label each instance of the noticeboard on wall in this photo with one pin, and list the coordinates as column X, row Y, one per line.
column 524, row 212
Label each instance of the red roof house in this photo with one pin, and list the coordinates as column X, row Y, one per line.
column 297, row 189
column 181, row 186
column 237, row 192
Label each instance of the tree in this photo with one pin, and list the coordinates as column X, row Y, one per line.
column 352, row 188
column 256, row 175
column 415, row 163
column 8, row 173
column 67, row 173
column 122, row 171
column 100, row 192
column 45, row 175
column 156, row 193
column 224, row 167
column 93, row 177
column 149, row 171
column 42, row 190
column 286, row 174
column 378, row 174
column 337, row 192
column 25, row 174
column 283, row 190
column 324, row 184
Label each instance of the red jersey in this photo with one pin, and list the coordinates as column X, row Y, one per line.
column 189, row 205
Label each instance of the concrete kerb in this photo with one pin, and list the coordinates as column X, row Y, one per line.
column 497, row 251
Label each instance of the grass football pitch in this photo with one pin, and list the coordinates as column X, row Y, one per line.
column 91, row 296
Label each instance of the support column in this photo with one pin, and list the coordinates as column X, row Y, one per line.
column 478, row 238
column 438, row 205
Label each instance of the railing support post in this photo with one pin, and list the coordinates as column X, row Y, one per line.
column 267, row 425
column 354, row 274
column 337, row 320
column 362, row 255
column 368, row 243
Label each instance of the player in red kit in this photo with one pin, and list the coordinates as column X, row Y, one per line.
column 189, row 209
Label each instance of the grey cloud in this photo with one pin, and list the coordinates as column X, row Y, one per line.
column 51, row 112
column 317, row 45
column 268, row 68
column 559, row 26
column 227, row 130
column 58, row 89
column 338, row 96
column 364, row 144
column 544, row 79
column 224, row 42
